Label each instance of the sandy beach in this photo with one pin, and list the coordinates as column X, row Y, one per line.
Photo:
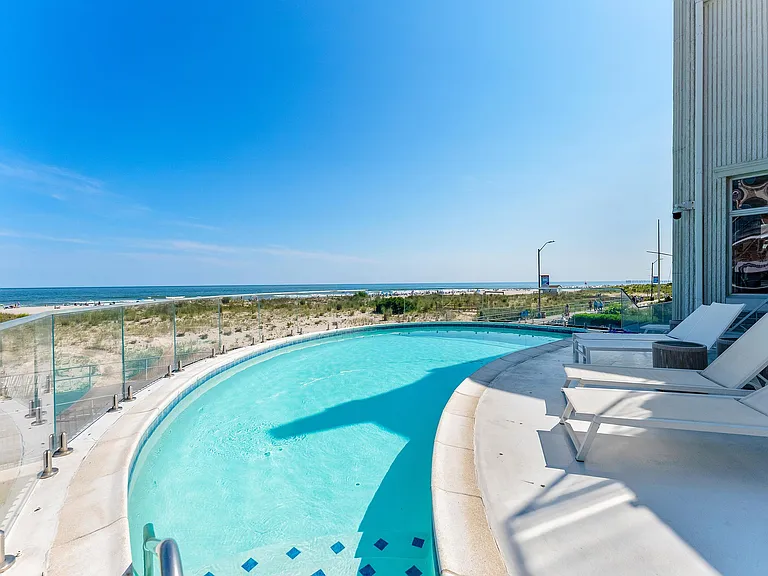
column 31, row 310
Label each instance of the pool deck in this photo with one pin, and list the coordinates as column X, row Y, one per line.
column 645, row 502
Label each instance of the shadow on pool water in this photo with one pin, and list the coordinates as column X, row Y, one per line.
column 402, row 505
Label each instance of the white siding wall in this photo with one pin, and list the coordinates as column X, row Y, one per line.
column 735, row 128
column 683, row 272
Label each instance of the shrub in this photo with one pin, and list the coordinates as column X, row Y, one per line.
column 612, row 308
column 597, row 320
column 393, row 305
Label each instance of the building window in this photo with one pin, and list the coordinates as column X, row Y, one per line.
column 749, row 235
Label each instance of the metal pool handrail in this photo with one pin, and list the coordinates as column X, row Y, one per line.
column 166, row 550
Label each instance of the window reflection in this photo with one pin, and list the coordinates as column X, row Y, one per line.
column 750, row 193
column 750, row 254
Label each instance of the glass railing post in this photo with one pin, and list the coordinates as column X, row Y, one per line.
column 53, row 374
column 173, row 328
column 122, row 345
column 624, row 312
column 219, row 303
column 258, row 316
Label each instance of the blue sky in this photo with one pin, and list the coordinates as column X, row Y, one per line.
column 339, row 141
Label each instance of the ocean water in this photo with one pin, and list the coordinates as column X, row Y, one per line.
column 317, row 458
column 68, row 295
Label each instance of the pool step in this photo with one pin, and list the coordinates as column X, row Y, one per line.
column 351, row 554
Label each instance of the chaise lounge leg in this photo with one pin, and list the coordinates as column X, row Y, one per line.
column 567, row 412
column 581, row 453
column 575, row 347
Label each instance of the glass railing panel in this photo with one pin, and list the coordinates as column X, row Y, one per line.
column 197, row 330
column 661, row 313
column 464, row 307
column 569, row 307
column 632, row 316
column 239, row 322
column 88, row 366
column 314, row 314
column 26, row 410
column 297, row 311
column 273, row 318
column 644, row 315
column 440, row 307
column 594, row 309
column 148, row 335
column 393, row 309
column 280, row 316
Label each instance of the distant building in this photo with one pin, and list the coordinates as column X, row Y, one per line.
column 720, row 152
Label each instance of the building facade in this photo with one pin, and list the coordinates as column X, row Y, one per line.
column 720, row 153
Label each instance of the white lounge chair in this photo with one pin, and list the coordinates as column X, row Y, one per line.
column 676, row 411
column 705, row 328
column 730, row 372
column 679, row 332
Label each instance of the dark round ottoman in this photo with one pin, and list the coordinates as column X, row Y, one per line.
column 679, row 354
column 724, row 342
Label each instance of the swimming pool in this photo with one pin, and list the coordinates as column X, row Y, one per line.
column 312, row 460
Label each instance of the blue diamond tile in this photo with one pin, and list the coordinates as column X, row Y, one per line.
column 413, row 571
column 338, row 547
column 381, row 543
column 319, row 573
column 418, row 542
column 367, row 570
column 249, row 564
column 209, row 574
column 293, row 552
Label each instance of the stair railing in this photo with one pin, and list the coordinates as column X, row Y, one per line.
column 166, row 550
column 748, row 315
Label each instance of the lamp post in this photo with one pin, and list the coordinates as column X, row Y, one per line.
column 538, row 259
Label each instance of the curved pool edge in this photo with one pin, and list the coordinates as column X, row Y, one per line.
column 77, row 521
column 464, row 543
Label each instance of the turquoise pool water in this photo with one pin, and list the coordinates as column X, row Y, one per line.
column 313, row 460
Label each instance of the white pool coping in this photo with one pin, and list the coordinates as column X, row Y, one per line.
column 463, row 540
column 76, row 523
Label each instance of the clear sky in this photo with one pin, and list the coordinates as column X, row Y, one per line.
column 336, row 141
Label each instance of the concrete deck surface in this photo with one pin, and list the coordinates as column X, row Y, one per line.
column 645, row 502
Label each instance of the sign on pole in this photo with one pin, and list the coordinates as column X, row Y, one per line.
column 545, row 280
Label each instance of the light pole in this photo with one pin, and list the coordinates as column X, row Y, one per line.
column 538, row 259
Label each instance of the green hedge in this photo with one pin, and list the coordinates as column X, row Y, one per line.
column 597, row 320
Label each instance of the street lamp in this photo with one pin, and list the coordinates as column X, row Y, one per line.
column 538, row 256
